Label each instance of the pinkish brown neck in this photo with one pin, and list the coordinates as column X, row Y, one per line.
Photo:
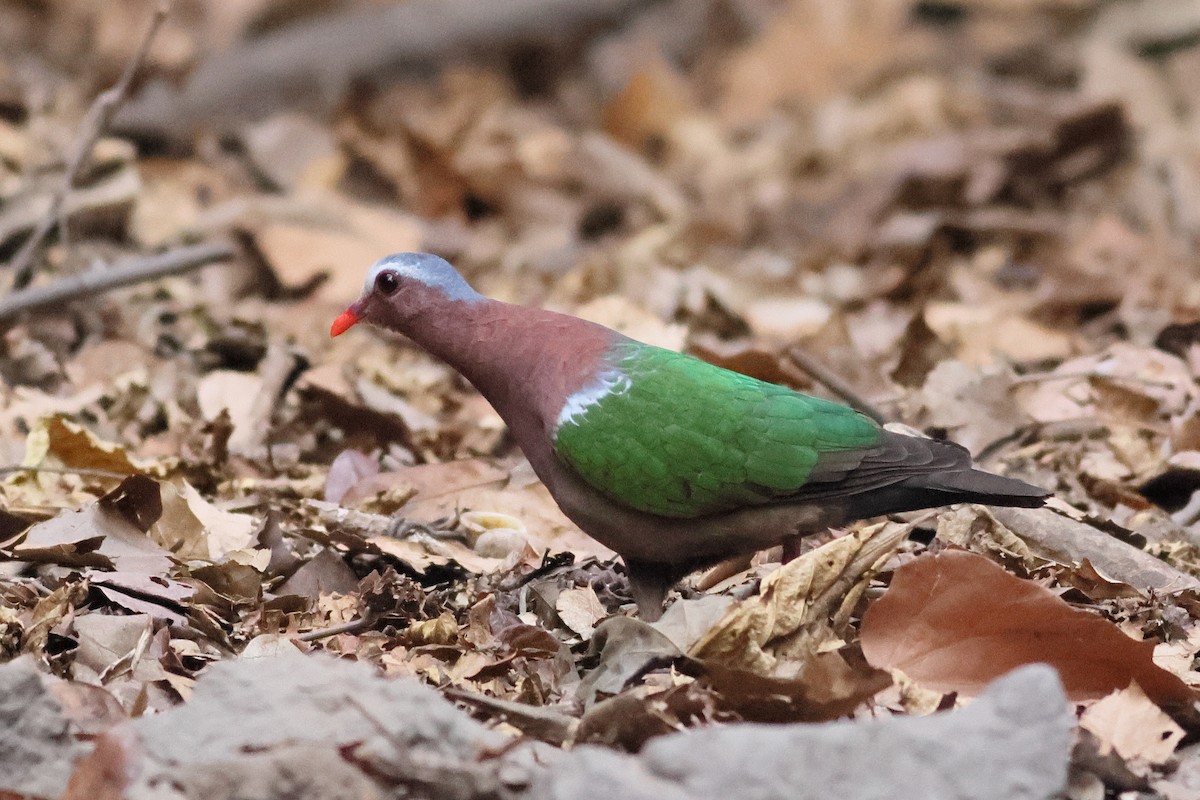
column 524, row 361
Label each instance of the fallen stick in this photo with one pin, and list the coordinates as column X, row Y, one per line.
column 315, row 60
column 827, row 378
column 95, row 123
column 353, row 626
column 81, row 471
column 279, row 370
column 125, row 273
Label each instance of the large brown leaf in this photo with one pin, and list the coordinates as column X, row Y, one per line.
column 956, row 621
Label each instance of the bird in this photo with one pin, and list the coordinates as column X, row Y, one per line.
column 674, row 463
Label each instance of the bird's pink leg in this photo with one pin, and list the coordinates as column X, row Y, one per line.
column 791, row 548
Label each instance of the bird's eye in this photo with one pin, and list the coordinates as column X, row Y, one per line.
column 387, row 283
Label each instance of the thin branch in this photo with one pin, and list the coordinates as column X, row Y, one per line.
column 81, row 471
column 414, row 768
column 353, row 626
column 1088, row 374
column 540, row 722
column 826, row 377
column 95, row 123
column 280, row 369
column 125, row 273
column 318, row 57
column 724, row 571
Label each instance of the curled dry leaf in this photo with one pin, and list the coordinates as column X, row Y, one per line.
column 827, row 685
column 137, row 500
column 192, row 527
column 316, row 234
column 238, row 395
column 580, row 610
column 440, row 630
column 225, row 586
column 1128, row 722
column 1124, row 384
column 324, row 573
column 106, row 639
column 979, row 335
column 107, row 534
column 57, row 441
column 776, row 657
column 973, row 405
column 154, row 588
column 802, row 594
column 956, row 621
column 625, row 647
column 686, row 621
column 632, row 718
column 347, row 469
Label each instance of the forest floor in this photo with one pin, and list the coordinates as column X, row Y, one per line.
column 980, row 215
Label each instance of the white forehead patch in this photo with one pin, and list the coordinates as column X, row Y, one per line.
column 427, row 269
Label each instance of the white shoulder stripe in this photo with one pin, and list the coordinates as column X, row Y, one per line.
column 607, row 383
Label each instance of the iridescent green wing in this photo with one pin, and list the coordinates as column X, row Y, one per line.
column 672, row 435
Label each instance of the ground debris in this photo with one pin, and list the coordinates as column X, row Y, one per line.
column 976, row 220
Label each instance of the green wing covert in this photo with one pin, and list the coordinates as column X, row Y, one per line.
column 679, row 437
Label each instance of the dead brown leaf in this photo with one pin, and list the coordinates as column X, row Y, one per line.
column 791, row 615
column 955, row 621
column 58, row 441
column 106, row 534
column 580, row 610
column 1129, row 723
column 653, row 100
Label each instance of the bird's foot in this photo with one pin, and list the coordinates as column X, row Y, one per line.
column 791, row 549
column 649, row 583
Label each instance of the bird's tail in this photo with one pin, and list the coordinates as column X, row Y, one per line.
column 975, row 486
column 948, row 488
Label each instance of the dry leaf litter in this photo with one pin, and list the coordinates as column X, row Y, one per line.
column 238, row 557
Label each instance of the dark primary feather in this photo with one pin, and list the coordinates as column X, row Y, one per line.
column 907, row 473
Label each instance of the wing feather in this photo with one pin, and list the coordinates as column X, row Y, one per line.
column 682, row 438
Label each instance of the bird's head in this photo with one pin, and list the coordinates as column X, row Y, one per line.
column 401, row 286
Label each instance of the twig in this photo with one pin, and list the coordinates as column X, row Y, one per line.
column 1088, row 374
column 125, row 273
column 539, row 722
column 724, row 571
column 1063, row 430
column 95, row 123
column 82, row 471
column 825, row 376
column 354, row 625
column 280, row 369
column 417, row 770
column 318, row 57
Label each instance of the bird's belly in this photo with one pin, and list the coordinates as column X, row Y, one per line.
column 647, row 537
column 643, row 536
